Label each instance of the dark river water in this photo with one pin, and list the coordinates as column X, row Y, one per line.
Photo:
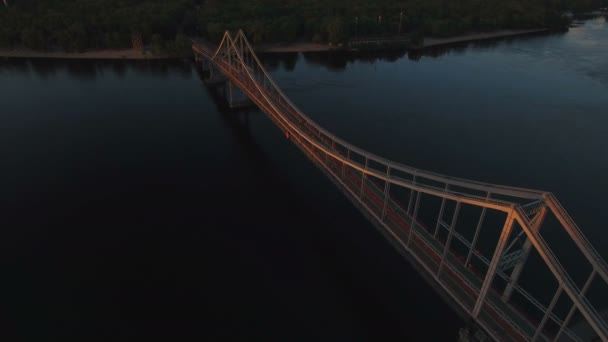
column 133, row 203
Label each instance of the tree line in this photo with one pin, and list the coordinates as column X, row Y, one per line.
column 77, row 25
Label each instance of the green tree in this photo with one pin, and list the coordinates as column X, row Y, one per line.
column 182, row 45
column 33, row 38
column 157, row 44
column 337, row 31
column 215, row 31
column 89, row 24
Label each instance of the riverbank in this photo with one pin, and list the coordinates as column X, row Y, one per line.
column 428, row 42
column 432, row 42
column 132, row 54
column 295, row 47
column 129, row 54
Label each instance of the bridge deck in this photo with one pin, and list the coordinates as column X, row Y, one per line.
column 464, row 284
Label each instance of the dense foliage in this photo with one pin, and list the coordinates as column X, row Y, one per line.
column 75, row 25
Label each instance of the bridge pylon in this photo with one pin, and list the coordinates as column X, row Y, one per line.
column 493, row 228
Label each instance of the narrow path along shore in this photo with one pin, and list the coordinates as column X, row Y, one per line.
column 429, row 42
column 132, row 54
column 96, row 54
column 295, row 47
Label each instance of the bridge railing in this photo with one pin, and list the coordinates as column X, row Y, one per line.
column 448, row 180
column 236, row 56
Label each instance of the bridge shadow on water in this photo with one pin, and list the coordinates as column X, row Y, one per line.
column 381, row 295
column 147, row 227
column 237, row 120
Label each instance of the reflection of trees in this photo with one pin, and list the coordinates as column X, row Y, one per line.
column 84, row 69
column 153, row 67
column 44, row 67
column 290, row 61
column 271, row 61
column 338, row 60
column 461, row 47
column 285, row 60
column 162, row 67
column 14, row 64
column 119, row 68
column 438, row 51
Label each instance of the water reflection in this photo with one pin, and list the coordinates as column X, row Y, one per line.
column 89, row 70
column 167, row 147
column 275, row 61
column 16, row 65
column 481, row 45
column 338, row 61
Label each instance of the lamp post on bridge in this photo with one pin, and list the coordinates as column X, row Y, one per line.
column 400, row 22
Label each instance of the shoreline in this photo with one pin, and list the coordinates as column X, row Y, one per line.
column 428, row 42
column 473, row 37
column 126, row 54
column 132, row 54
column 293, row 47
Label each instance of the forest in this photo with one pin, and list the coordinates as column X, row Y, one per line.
column 164, row 26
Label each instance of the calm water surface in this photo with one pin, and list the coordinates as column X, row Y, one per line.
column 134, row 204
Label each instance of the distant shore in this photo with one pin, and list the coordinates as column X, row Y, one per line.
column 431, row 42
column 428, row 42
column 132, row 54
column 294, row 47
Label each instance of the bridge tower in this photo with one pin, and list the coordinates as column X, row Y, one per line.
column 475, row 259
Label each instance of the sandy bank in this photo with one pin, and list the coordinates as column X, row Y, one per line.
column 428, row 42
column 296, row 47
column 97, row 54
column 131, row 54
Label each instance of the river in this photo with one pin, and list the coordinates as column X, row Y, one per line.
column 133, row 203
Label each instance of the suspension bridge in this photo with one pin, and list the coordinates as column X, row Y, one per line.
column 470, row 240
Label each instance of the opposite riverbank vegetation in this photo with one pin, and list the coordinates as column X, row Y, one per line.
column 137, row 54
column 142, row 29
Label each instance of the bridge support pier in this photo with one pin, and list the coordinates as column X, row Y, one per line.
column 211, row 76
column 236, row 98
column 205, row 64
column 468, row 296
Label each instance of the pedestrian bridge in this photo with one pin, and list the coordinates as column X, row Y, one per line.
column 489, row 250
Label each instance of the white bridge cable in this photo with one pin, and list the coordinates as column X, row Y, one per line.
column 553, row 205
column 493, row 188
column 578, row 237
